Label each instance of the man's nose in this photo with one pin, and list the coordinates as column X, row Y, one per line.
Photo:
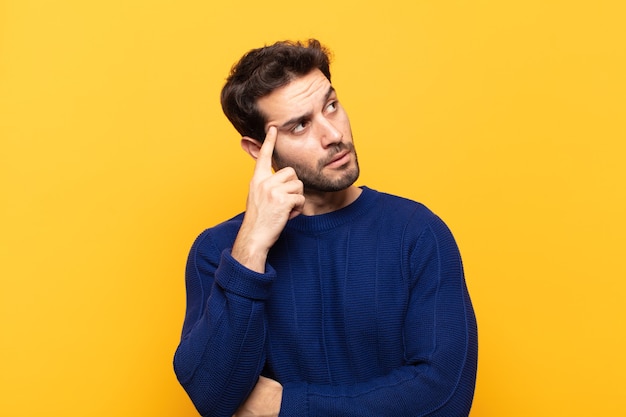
column 330, row 135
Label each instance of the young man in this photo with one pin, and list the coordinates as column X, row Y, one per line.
column 323, row 298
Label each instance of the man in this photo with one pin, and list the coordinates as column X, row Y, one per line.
column 323, row 298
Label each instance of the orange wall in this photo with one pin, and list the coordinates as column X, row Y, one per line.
column 506, row 118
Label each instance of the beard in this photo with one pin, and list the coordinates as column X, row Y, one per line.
column 314, row 179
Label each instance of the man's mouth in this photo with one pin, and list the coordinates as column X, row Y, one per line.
column 339, row 159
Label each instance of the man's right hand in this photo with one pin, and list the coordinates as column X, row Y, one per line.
column 273, row 199
column 264, row 401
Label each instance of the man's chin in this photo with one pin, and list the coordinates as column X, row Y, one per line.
column 329, row 186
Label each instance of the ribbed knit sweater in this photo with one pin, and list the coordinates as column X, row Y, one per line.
column 361, row 312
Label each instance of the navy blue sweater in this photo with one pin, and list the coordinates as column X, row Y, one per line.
column 361, row 312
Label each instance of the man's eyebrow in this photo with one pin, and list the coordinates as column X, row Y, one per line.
column 306, row 116
column 295, row 120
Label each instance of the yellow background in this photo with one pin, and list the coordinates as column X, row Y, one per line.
column 507, row 118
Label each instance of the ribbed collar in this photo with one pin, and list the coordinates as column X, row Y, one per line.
column 324, row 222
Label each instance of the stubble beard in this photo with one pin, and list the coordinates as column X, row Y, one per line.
column 314, row 179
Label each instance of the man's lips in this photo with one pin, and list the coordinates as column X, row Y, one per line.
column 339, row 159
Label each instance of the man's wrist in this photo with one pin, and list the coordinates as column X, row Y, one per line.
column 250, row 254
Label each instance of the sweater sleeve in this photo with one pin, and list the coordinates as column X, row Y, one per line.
column 221, row 352
column 438, row 376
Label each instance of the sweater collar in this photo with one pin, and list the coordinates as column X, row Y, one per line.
column 324, row 222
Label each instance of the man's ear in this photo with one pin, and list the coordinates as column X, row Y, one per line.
column 251, row 146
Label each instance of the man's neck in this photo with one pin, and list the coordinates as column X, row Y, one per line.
column 319, row 202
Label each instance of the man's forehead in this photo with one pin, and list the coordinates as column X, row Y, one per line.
column 300, row 94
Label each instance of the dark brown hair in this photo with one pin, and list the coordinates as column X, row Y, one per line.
column 261, row 71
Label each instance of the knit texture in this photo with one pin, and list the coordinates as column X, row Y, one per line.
column 361, row 312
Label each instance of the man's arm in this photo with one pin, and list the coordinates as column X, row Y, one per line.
column 222, row 348
column 221, row 353
column 273, row 199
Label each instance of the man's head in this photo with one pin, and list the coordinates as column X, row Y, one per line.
column 262, row 71
column 287, row 86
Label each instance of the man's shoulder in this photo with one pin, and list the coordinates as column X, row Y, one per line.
column 229, row 225
column 221, row 235
column 397, row 205
column 405, row 213
column 412, row 217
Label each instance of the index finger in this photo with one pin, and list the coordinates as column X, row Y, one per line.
column 264, row 160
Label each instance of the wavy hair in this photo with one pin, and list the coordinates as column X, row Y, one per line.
column 263, row 70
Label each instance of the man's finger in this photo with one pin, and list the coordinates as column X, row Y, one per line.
column 264, row 160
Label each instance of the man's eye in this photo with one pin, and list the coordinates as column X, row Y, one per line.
column 299, row 127
column 332, row 106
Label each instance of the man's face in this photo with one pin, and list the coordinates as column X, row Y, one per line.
column 314, row 135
